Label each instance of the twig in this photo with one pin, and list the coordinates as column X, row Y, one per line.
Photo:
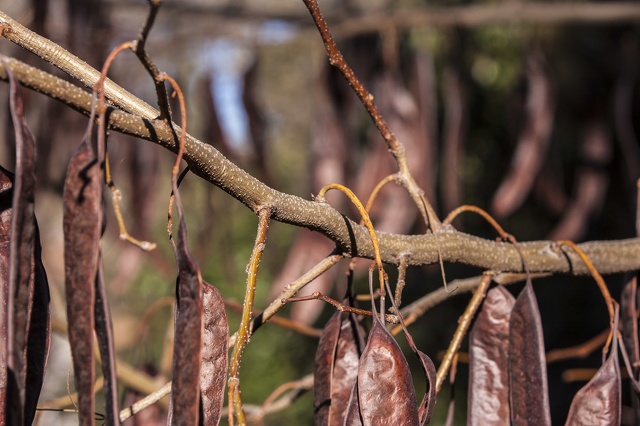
column 367, row 221
column 116, row 195
column 280, row 322
column 395, row 147
column 339, row 306
column 259, row 411
column 70, row 398
column 402, row 274
column 290, row 290
column 145, row 59
column 244, row 330
column 579, row 351
column 418, row 308
column 72, row 65
column 376, row 190
column 276, row 402
column 463, row 325
column 127, row 375
column 145, row 402
column 601, row 285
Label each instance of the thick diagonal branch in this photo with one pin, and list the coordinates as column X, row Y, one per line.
column 208, row 163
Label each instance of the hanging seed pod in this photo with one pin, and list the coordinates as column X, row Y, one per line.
column 528, row 391
column 385, row 387
column 82, row 219
column 336, row 368
column 488, row 402
column 215, row 340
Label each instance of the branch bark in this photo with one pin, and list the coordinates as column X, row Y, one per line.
column 211, row 165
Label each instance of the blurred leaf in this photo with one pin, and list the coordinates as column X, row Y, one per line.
column 533, row 142
column 488, row 402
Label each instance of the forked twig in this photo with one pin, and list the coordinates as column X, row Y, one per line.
column 290, row 290
column 395, row 147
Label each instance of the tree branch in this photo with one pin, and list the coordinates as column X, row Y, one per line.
column 470, row 15
column 211, row 165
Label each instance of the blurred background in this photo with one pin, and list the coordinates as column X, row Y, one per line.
column 527, row 110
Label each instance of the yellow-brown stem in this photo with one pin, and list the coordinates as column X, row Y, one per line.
column 244, row 330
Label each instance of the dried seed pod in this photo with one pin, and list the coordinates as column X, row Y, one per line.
column 215, row 340
column 385, row 388
column 27, row 332
column 104, row 334
column 629, row 328
column 185, row 395
column 599, row 401
column 82, row 228
column 528, row 391
column 336, row 368
column 488, row 402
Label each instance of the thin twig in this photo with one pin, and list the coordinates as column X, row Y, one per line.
column 127, row 375
column 290, row 290
column 244, row 330
column 139, row 49
column 367, row 221
column 463, row 325
column 402, row 275
column 376, row 190
column 145, row 402
column 258, row 412
column 103, row 156
column 339, row 306
column 601, row 285
column 582, row 350
column 276, row 400
column 69, row 398
column 416, row 309
column 281, row 322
